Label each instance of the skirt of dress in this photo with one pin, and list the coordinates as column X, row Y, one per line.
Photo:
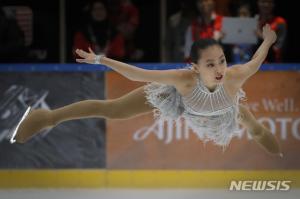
column 165, row 99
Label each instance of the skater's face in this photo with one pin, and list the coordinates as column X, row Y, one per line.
column 211, row 65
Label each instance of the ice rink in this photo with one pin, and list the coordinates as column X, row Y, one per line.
column 144, row 194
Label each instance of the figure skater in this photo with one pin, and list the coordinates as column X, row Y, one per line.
column 207, row 95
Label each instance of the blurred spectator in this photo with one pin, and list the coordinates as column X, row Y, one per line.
column 207, row 24
column 32, row 29
column 125, row 16
column 242, row 52
column 98, row 33
column 177, row 26
column 278, row 24
column 12, row 42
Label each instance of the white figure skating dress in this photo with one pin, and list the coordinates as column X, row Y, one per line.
column 213, row 115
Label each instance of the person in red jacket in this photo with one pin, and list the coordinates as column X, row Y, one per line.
column 98, row 33
column 207, row 24
column 126, row 18
column 277, row 23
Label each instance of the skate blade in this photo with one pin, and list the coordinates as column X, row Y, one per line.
column 12, row 139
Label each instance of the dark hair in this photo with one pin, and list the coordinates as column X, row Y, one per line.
column 92, row 3
column 234, row 6
column 200, row 45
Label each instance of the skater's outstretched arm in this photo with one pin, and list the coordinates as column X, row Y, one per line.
column 240, row 73
column 132, row 72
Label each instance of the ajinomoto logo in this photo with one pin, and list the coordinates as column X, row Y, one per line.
column 260, row 185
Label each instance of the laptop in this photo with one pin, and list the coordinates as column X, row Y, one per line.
column 239, row 30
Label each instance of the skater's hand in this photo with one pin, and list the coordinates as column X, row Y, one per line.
column 268, row 34
column 86, row 57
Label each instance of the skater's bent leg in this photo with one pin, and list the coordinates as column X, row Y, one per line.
column 259, row 133
column 129, row 105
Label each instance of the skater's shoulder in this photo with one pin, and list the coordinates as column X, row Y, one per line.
column 186, row 73
column 187, row 81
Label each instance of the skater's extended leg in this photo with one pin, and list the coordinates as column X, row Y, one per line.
column 129, row 105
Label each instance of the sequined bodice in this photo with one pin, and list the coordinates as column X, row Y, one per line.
column 200, row 101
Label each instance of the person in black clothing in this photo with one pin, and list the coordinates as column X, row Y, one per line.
column 12, row 42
